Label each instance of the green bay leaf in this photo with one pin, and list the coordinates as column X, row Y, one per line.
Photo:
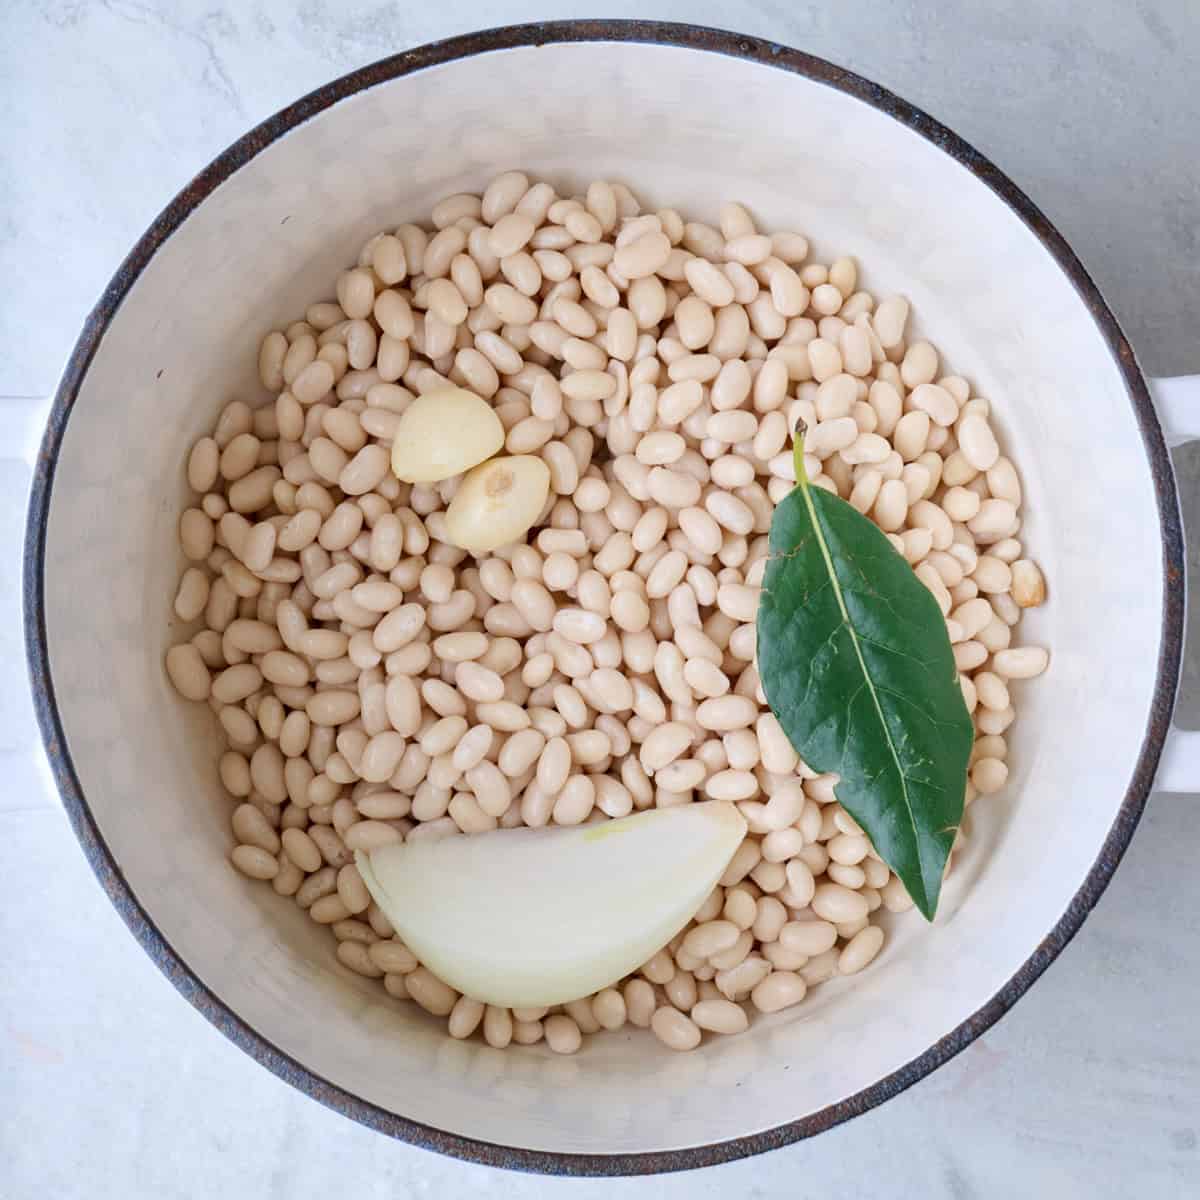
column 856, row 664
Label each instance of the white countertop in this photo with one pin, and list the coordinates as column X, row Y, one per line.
column 110, row 1084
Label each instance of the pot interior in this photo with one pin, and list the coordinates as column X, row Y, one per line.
column 690, row 129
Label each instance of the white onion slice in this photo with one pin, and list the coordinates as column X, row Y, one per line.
column 531, row 917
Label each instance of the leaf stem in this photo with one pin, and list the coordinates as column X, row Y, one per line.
column 798, row 432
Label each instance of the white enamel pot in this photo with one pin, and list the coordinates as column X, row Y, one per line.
column 690, row 117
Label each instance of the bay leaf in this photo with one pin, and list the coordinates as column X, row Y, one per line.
column 856, row 664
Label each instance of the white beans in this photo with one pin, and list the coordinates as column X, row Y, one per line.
column 977, row 442
column 562, row 1034
column 492, row 556
column 431, row 993
column 674, row 1029
column 1028, row 586
column 936, row 402
column 664, row 744
column 808, row 938
column 1023, row 663
column 860, row 950
column 780, row 990
column 838, row 905
column 188, row 672
column 726, row 713
column 254, row 862
column 709, row 939
column 720, row 1016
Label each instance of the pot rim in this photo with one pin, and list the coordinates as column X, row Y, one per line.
column 105, row 866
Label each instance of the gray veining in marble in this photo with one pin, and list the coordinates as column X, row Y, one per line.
column 112, row 1086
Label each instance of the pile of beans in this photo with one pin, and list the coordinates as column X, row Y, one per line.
column 376, row 683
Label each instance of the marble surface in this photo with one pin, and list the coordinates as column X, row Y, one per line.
column 110, row 1085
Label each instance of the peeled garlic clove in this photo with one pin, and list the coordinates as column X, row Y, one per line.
column 444, row 433
column 528, row 917
column 497, row 502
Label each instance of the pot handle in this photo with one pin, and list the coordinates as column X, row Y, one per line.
column 1178, row 403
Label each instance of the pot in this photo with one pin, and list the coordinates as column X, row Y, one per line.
column 687, row 116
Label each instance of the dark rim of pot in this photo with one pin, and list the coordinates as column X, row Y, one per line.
column 109, row 872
